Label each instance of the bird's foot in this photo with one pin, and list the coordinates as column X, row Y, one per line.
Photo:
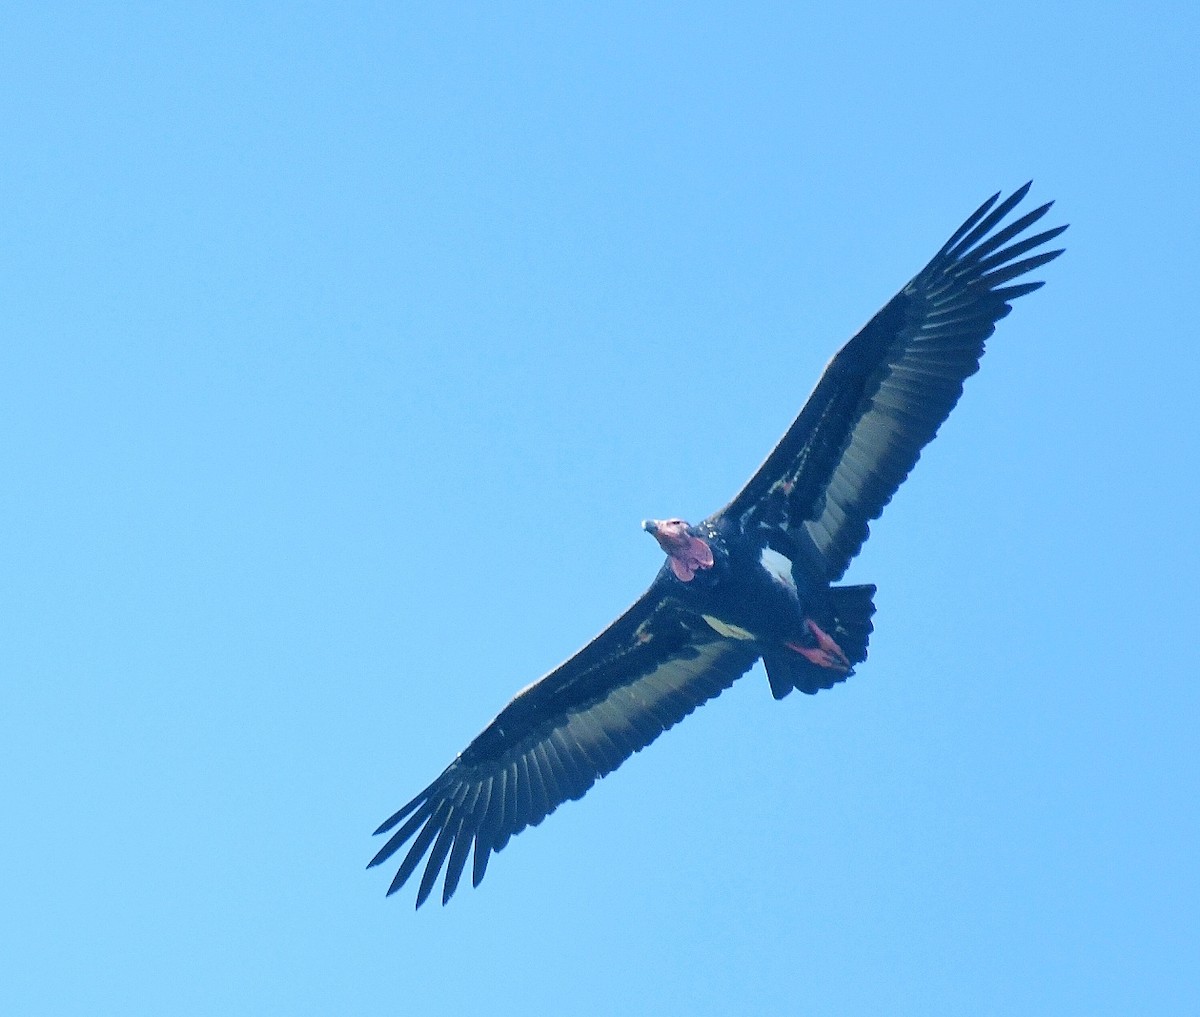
column 826, row 653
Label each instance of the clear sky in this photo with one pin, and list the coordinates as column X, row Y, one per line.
column 345, row 347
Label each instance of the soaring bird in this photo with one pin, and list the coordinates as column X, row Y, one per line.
column 752, row 581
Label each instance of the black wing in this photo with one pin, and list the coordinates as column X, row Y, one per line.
column 885, row 394
column 643, row 674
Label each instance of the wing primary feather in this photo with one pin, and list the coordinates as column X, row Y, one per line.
column 393, row 819
column 480, row 861
column 451, row 825
column 496, row 811
column 441, row 848
column 1012, row 292
column 419, row 846
column 1002, row 275
column 1015, row 250
column 458, row 859
column 1001, row 237
column 990, row 220
column 402, row 835
column 511, row 820
column 462, row 842
column 482, row 812
column 972, row 219
column 483, row 835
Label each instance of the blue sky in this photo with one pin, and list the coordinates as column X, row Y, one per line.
column 346, row 347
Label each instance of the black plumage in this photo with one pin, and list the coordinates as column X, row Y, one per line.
column 752, row 581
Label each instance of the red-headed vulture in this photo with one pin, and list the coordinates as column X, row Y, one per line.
column 752, row 581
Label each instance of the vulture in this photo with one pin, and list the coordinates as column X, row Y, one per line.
column 754, row 580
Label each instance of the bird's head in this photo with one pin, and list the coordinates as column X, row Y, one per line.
column 686, row 552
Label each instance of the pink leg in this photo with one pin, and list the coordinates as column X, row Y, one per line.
column 826, row 653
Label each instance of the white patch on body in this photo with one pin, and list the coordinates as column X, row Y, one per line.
column 725, row 629
column 778, row 566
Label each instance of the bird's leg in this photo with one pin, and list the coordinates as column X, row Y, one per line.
column 826, row 653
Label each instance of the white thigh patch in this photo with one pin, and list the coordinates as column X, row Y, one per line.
column 725, row 629
column 779, row 566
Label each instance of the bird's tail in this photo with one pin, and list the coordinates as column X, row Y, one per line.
column 853, row 607
column 851, row 628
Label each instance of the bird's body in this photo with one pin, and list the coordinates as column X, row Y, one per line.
column 764, row 589
column 755, row 580
column 753, row 590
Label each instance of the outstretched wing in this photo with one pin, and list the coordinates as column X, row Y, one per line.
column 885, row 394
column 643, row 674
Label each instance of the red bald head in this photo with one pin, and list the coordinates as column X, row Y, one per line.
column 686, row 552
